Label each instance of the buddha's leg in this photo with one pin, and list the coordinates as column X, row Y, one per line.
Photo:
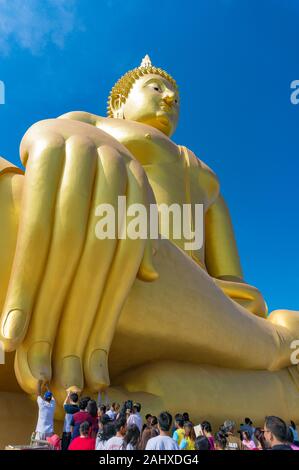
column 212, row 393
column 186, row 317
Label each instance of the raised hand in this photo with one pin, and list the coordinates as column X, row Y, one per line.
column 67, row 287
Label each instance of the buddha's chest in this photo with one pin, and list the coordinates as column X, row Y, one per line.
column 172, row 183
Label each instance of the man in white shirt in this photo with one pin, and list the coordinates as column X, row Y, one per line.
column 163, row 441
column 117, row 442
column 135, row 417
column 46, row 410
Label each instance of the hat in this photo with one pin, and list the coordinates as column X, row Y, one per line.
column 229, row 424
column 48, row 395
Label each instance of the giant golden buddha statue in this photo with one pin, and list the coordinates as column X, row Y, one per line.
column 172, row 328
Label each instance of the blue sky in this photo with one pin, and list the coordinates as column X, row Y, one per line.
column 234, row 61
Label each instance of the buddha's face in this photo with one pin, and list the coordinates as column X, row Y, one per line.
column 153, row 100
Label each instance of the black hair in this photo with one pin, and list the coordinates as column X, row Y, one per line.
column 202, row 443
column 127, row 405
column 206, row 426
column 132, row 436
column 102, row 408
column 148, row 415
column 154, row 421
column 179, row 420
column 84, row 428
column 259, row 435
column 137, row 407
column 92, row 408
column 277, row 427
column 74, row 397
column 120, row 423
column 165, row 420
column 186, row 416
column 247, row 435
column 105, row 419
column 107, row 432
column 221, row 439
column 248, row 421
column 83, row 403
column 290, row 436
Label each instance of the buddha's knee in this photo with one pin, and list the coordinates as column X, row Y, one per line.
column 287, row 318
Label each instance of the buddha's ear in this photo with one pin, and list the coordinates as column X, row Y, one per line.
column 117, row 106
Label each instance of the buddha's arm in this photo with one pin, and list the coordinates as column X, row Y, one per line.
column 222, row 259
column 82, row 116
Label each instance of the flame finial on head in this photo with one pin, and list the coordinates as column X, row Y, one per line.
column 146, row 61
column 121, row 89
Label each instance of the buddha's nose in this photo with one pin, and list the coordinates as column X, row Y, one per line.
column 169, row 99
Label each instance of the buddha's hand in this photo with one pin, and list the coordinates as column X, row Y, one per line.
column 68, row 286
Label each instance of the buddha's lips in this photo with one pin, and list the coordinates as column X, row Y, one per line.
column 166, row 107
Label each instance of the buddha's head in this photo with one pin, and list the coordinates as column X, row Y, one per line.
column 148, row 95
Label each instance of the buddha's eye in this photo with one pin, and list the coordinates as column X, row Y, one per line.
column 156, row 87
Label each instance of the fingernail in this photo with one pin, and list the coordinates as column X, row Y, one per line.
column 98, row 366
column 14, row 324
column 39, row 360
column 71, row 373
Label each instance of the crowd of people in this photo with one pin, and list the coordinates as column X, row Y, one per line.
column 92, row 426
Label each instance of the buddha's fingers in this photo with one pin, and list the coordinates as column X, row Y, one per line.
column 87, row 287
column 119, row 281
column 33, row 358
column 45, row 159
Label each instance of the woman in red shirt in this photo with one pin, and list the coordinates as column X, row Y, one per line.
column 83, row 442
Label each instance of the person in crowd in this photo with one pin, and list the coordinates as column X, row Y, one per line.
column 146, row 435
column 92, row 410
column 290, row 440
column 188, row 441
column 186, row 417
column 55, row 442
column 83, row 441
column 248, row 426
column 79, row 417
column 106, row 431
column 220, row 440
column 113, row 411
column 134, row 417
column 202, row 443
column 70, row 407
column 132, row 437
column 147, row 423
column 179, row 432
column 260, row 440
column 101, row 410
column 294, row 431
column 117, row 442
column 46, row 409
column 207, row 432
column 247, row 441
column 163, row 441
column 276, row 433
column 154, row 423
column 233, row 441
